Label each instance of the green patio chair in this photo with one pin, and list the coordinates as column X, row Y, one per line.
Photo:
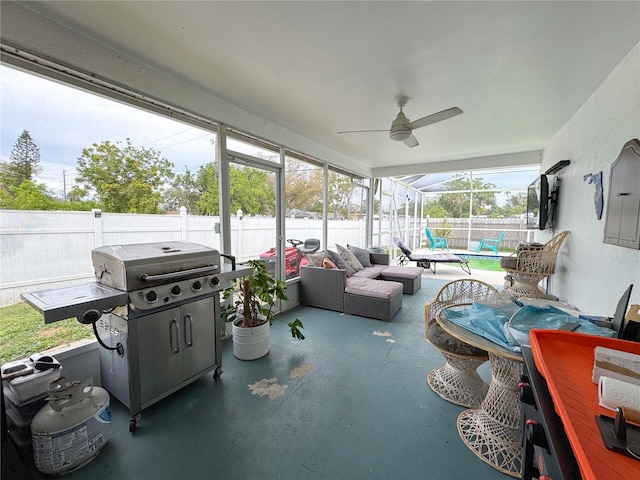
column 491, row 243
column 436, row 242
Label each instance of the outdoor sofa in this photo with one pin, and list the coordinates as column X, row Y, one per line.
column 374, row 290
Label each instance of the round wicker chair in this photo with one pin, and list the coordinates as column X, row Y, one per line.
column 530, row 266
column 458, row 380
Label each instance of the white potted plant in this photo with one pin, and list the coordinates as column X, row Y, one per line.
column 253, row 313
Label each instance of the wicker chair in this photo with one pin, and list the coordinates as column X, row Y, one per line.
column 458, row 380
column 530, row 266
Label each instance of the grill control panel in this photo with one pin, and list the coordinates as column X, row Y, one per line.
column 174, row 292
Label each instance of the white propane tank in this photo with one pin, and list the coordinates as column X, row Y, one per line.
column 72, row 428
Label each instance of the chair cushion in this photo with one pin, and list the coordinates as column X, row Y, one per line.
column 508, row 262
column 438, row 336
column 368, row 287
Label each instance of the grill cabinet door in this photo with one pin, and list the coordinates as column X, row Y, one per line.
column 160, row 353
column 198, row 337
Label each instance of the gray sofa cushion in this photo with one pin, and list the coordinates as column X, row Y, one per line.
column 349, row 257
column 340, row 262
column 361, row 254
column 372, row 288
column 371, row 272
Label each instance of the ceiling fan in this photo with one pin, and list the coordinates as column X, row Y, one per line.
column 401, row 128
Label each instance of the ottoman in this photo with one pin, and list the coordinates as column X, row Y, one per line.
column 410, row 277
column 372, row 298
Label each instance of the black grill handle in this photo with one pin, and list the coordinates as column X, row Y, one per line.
column 233, row 260
column 178, row 275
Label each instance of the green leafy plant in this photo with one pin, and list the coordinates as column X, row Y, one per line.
column 255, row 298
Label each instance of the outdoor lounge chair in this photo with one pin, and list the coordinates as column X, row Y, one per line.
column 430, row 260
column 491, row 243
column 436, row 242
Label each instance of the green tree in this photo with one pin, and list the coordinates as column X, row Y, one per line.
column 208, row 202
column 25, row 158
column 24, row 163
column 28, row 196
column 340, row 196
column 126, row 179
column 184, row 192
column 515, row 205
column 456, row 203
column 303, row 186
column 252, row 190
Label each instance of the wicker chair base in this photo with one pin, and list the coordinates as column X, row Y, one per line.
column 495, row 444
column 527, row 285
column 493, row 431
column 458, row 381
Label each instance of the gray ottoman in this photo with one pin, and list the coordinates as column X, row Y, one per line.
column 410, row 277
column 372, row 298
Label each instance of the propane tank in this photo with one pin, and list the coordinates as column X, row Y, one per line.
column 72, row 428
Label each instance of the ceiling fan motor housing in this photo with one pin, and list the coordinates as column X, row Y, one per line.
column 399, row 132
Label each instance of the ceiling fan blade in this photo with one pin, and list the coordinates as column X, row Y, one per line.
column 411, row 142
column 434, row 118
column 363, row 131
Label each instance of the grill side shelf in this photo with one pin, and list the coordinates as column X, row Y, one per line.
column 68, row 302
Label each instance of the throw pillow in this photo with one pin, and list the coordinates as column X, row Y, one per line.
column 340, row 263
column 349, row 257
column 315, row 259
column 361, row 254
column 326, row 263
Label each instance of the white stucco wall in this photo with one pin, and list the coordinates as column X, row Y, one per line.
column 591, row 274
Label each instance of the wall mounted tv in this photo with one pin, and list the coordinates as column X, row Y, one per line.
column 542, row 199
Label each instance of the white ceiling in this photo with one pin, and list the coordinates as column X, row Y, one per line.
column 518, row 70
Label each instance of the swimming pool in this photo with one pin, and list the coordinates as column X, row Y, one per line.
column 483, row 262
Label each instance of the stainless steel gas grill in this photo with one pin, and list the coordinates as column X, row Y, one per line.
column 154, row 308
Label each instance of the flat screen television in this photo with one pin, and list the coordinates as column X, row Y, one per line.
column 538, row 203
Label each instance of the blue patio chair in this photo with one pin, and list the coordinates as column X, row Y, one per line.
column 491, row 243
column 436, row 242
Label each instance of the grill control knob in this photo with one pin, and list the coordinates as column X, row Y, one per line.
column 535, row 434
column 214, row 281
column 526, row 393
column 175, row 290
column 196, row 286
column 151, row 296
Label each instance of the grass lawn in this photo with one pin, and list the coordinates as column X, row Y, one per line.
column 483, row 263
column 23, row 332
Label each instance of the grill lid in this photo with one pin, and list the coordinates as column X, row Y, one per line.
column 134, row 266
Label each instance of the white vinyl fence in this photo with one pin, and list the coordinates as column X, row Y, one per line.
column 42, row 250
